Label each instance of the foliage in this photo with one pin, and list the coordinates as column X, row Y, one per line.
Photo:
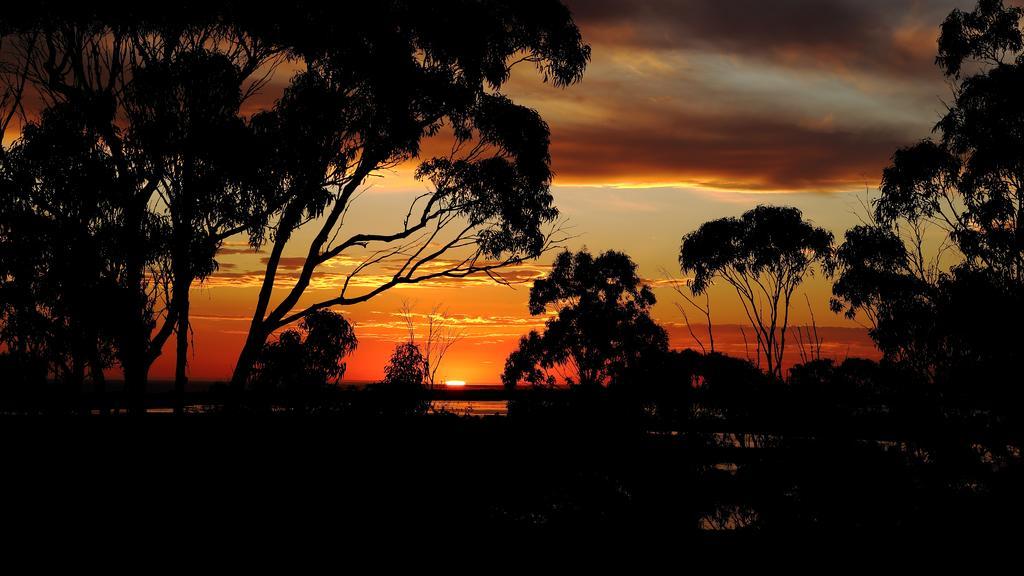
column 161, row 95
column 300, row 365
column 764, row 255
column 601, row 330
column 60, row 272
column 940, row 313
column 367, row 99
column 407, row 367
column 403, row 390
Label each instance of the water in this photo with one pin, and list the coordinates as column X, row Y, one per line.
column 478, row 408
column 475, row 408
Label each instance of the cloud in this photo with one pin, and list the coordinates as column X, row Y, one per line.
column 287, row 262
column 735, row 153
column 746, row 95
column 230, row 250
column 881, row 35
column 220, row 318
column 331, row 279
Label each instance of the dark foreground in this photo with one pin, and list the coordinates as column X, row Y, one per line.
column 446, row 477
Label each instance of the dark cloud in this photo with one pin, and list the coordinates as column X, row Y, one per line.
column 736, row 152
column 232, row 250
column 287, row 262
column 891, row 35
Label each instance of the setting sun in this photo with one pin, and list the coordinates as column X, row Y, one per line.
column 455, row 383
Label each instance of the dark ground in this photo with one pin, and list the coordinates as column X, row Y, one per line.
column 283, row 478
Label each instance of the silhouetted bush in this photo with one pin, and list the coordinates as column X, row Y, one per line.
column 301, row 370
column 736, row 390
column 403, row 392
column 602, row 333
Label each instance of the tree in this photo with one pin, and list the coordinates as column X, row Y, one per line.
column 969, row 181
column 163, row 91
column 405, row 378
column 366, row 99
column 681, row 288
column 879, row 279
column 304, row 363
column 441, row 334
column 929, row 307
column 602, row 332
column 764, row 255
column 407, row 367
column 158, row 93
column 57, row 273
column 186, row 115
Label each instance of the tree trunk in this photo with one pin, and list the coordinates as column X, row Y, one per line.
column 258, row 332
column 135, row 329
column 99, row 382
column 135, row 375
column 181, row 352
column 246, row 361
column 76, row 385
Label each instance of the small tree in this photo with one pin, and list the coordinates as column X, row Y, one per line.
column 405, row 377
column 441, row 335
column 407, row 367
column 764, row 255
column 304, row 363
column 602, row 330
column 681, row 288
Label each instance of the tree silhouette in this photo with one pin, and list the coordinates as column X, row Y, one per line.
column 405, row 378
column 366, row 100
column 163, row 92
column 602, row 331
column 929, row 308
column 764, row 256
column 407, row 367
column 969, row 181
column 57, row 232
column 159, row 94
column 59, row 62
column 882, row 280
column 441, row 334
column 185, row 106
column 303, row 364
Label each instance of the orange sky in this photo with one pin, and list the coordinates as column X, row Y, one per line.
column 689, row 111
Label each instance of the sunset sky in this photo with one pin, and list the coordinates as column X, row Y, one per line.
column 690, row 110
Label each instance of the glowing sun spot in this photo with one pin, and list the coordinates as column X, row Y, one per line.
column 454, row 383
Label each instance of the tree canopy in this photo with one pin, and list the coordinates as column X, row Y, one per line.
column 166, row 101
column 601, row 329
column 299, row 364
column 939, row 268
column 764, row 255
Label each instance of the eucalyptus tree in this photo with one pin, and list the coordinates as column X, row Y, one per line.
column 302, row 364
column 185, row 107
column 969, row 182
column 56, row 274
column 150, row 87
column 764, row 255
column 165, row 94
column 941, row 308
column 602, row 331
column 365, row 99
